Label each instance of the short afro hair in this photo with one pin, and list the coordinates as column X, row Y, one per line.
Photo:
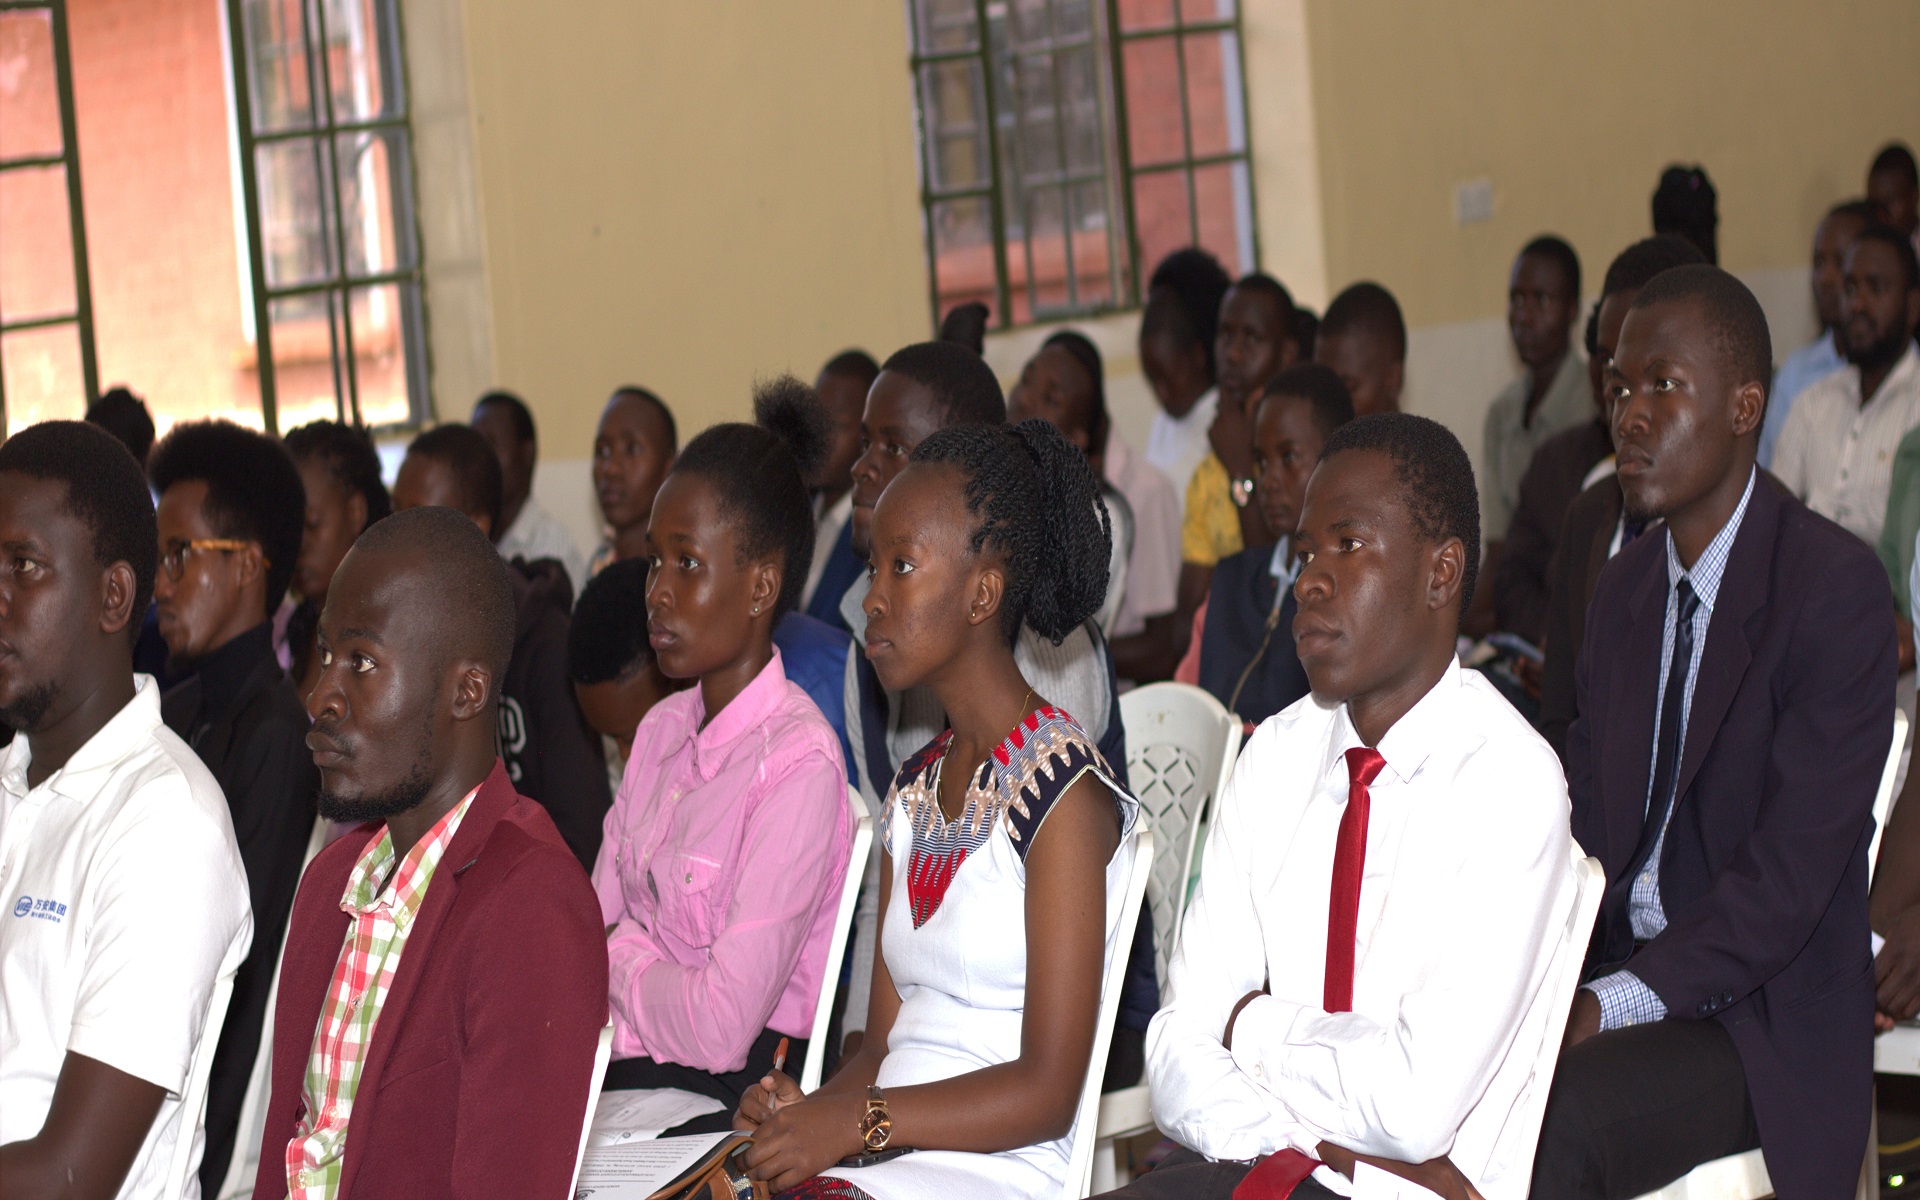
column 106, row 491
column 476, row 471
column 254, row 493
column 1319, row 385
column 960, row 380
column 1685, row 203
column 1262, row 284
column 1084, row 352
column 1557, row 251
column 1034, row 500
column 1368, row 308
column 857, row 365
column 516, row 409
column 608, row 637
column 1436, row 477
column 1895, row 159
column 1183, row 298
column 1634, row 267
column 759, row 475
column 468, row 578
column 659, row 407
column 1896, row 241
column 347, row 454
column 125, row 416
column 1736, row 322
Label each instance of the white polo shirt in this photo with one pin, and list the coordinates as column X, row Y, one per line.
column 122, row 900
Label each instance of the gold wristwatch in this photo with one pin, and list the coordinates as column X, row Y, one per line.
column 876, row 1127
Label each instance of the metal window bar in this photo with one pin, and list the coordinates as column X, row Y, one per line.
column 322, row 132
column 69, row 158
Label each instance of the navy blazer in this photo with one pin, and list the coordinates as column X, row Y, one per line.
column 1764, row 872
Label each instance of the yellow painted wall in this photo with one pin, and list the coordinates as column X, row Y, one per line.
column 689, row 194
column 1572, row 109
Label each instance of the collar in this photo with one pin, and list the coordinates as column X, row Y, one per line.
column 1282, row 565
column 854, row 611
column 1202, row 412
column 838, row 515
column 224, row 673
column 1117, row 459
column 529, row 518
column 1424, row 728
column 1712, row 565
column 1900, row 380
column 747, row 712
column 374, row 884
column 84, row 773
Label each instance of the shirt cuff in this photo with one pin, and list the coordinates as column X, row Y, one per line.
column 1263, row 1025
column 629, row 953
column 1624, row 1001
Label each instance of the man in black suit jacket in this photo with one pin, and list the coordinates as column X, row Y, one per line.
column 1735, row 690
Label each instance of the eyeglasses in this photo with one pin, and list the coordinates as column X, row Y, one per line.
column 173, row 559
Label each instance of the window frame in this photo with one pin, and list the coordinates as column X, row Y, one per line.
column 340, row 282
column 69, row 158
column 1120, row 175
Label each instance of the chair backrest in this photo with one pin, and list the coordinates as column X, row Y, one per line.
column 1883, row 799
column 1563, row 977
column 1181, row 745
column 244, row 1165
column 601, row 1054
column 816, row 1062
column 193, row 1101
column 1086, row 1123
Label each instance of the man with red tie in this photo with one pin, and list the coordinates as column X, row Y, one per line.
column 1361, row 979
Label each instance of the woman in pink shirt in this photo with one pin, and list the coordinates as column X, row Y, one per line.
column 719, row 875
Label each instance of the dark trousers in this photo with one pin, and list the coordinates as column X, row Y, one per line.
column 1186, row 1175
column 630, row 1073
column 1634, row 1109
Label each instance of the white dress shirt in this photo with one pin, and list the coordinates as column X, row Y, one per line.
column 1177, row 444
column 536, row 533
column 124, row 901
column 1837, row 455
column 1153, row 562
column 1467, row 885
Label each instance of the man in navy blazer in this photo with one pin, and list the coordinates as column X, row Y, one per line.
column 474, row 1080
column 1736, row 693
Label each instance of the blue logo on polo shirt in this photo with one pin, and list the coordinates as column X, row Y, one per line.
column 40, row 910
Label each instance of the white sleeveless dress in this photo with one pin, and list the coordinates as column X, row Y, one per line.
column 955, row 940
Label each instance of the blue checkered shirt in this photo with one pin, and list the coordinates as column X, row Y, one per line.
column 1624, row 1000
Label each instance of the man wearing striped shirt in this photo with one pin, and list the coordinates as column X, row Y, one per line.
column 445, row 977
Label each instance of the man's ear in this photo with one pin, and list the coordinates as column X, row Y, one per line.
column 1749, row 408
column 252, row 562
column 116, row 598
column 472, row 685
column 1446, row 573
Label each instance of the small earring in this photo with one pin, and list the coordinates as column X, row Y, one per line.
column 756, row 610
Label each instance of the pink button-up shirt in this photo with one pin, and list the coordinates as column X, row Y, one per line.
column 721, row 871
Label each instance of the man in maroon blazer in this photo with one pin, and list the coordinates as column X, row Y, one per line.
column 445, row 975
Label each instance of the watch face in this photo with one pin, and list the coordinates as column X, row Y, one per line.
column 877, row 1132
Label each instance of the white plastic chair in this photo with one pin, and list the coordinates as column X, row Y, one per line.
column 244, row 1165
column 601, row 1054
column 1085, row 1126
column 1181, row 746
column 193, row 1101
column 816, row 1062
column 1744, row 1176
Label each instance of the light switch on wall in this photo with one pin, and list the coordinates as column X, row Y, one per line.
column 1473, row 202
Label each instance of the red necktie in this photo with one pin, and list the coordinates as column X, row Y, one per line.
column 1275, row 1176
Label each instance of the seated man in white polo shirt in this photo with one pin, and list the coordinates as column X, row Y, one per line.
column 124, row 896
column 1359, row 984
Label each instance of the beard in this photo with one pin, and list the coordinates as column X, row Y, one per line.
column 26, row 713
column 404, row 796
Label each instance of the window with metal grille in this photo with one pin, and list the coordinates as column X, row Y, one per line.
column 1067, row 145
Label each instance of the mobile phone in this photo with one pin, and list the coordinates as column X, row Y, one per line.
column 867, row 1160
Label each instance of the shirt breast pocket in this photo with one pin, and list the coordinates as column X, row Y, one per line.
column 691, row 903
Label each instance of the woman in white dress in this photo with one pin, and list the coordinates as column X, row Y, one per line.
column 1006, row 843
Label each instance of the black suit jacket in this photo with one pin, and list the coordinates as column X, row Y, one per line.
column 1585, row 537
column 1521, row 583
column 241, row 716
column 1238, row 605
column 1764, row 872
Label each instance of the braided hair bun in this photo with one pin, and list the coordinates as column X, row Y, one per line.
column 1039, row 507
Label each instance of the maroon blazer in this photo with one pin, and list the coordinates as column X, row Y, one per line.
column 476, row 1082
